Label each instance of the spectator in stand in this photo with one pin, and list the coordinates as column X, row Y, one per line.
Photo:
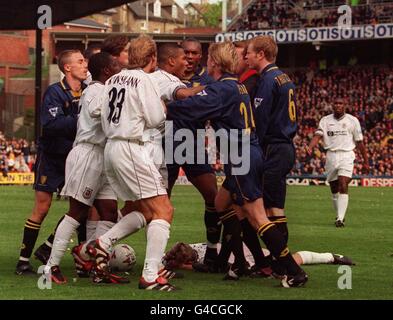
column 265, row 14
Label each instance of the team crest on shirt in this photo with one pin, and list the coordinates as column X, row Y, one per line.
column 257, row 102
column 53, row 111
column 344, row 125
column 87, row 193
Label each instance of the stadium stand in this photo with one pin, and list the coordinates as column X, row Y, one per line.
column 16, row 155
column 269, row 14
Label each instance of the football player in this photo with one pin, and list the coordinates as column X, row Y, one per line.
column 341, row 133
column 85, row 180
column 132, row 105
column 200, row 175
column 227, row 104
column 59, row 119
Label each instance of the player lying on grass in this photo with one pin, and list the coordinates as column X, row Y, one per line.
column 183, row 256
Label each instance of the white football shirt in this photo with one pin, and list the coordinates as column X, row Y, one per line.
column 89, row 127
column 168, row 84
column 131, row 104
column 340, row 134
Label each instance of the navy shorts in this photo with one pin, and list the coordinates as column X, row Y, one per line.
column 279, row 160
column 49, row 172
column 191, row 170
column 248, row 187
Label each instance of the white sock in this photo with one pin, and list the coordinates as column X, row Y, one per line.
column 91, row 226
column 334, row 199
column 119, row 215
column 103, row 227
column 310, row 257
column 128, row 225
column 63, row 235
column 342, row 205
column 157, row 239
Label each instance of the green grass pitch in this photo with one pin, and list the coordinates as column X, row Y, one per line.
column 367, row 238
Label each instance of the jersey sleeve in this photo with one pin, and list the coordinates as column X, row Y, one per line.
column 206, row 105
column 321, row 128
column 151, row 105
column 169, row 88
column 94, row 106
column 357, row 131
column 53, row 119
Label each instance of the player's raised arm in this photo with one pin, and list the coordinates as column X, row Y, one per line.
column 183, row 93
column 206, row 105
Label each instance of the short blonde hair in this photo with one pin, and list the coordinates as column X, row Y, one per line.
column 225, row 56
column 141, row 51
column 267, row 45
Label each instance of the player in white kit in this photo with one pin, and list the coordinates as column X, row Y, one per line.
column 85, row 180
column 131, row 106
column 183, row 256
column 340, row 133
column 172, row 64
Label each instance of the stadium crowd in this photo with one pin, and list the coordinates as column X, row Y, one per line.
column 16, row 155
column 267, row 14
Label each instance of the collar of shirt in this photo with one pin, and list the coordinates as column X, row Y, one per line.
column 66, row 87
column 246, row 75
column 228, row 76
column 338, row 119
column 198, row 73
column 94, row 82
column 269, row 67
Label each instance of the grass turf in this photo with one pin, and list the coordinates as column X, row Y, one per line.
column 367, row 238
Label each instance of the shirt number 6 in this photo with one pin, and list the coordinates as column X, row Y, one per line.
column 291, row 106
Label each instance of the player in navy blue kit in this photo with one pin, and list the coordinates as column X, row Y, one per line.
column 59, row 121
column 227, row 104
column 200, row 175
column 275, row 117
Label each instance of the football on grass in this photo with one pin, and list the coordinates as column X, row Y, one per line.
column 123, row 258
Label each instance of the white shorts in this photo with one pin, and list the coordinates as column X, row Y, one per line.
column 339, row 163
column 131, row 170
column 85, row 179
column 156, row 153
